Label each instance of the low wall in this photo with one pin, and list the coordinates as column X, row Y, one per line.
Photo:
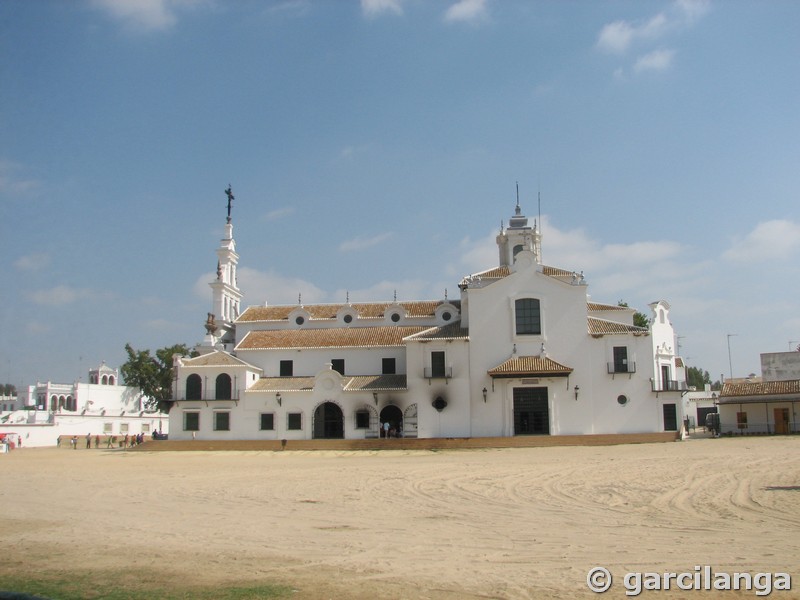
column 411, row 443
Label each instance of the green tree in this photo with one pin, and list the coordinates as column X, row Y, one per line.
column 152, row 374
column 697, row 378
column 8, row 389
column 639, row 318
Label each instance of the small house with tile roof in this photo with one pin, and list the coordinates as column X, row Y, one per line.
column 522, row 351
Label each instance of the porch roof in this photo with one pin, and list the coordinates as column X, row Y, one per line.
column 530, row 366
column 355, row 383
column 749, row 392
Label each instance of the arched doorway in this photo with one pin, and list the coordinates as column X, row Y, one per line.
column 223, row 387
column 328, row 421
column 194, row 387
column 394, row 416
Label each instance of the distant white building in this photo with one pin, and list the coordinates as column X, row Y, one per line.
column 101, row 407
column 768, row 404
column 522, row 350
column 698, row 404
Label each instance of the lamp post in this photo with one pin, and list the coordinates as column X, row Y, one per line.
column 730, row 362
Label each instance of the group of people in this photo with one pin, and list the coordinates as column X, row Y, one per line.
column 389, row 431
column 128, row 441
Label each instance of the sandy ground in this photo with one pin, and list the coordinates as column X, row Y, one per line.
column 512, row 523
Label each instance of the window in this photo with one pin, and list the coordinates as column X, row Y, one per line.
column 362, row 419
column 267, row 421
column 145, row 427
column 299, row 320
column 348, row 318
column 395, row 317
column 191, row 421
column 622, row 400
column 741, row 420
column 620, row 359
column 517, row 249
column 528, row 316
column 108, row 428
column 222, row 421
column 294, row 421
column 337, row 364
column 446, row 316
column 287, row 368
column 389, row 366
column 194, row 387
column 223, row 387
column 123, row 428
column 437, row 364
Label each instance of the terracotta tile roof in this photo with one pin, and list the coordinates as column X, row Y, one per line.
column 605, row 307
column 376, row 383
column 530, row 366
column 365, row 310
column 451, row 331
column 282, row 384
column 218, row 359
column 762, row 391
column 335, row 337
column 600, row 327
column 359, row 383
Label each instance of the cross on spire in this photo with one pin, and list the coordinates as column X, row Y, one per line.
column 229, row 193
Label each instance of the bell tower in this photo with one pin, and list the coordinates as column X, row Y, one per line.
column 226, row 296
column 518, row 236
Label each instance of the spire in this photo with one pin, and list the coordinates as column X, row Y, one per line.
column 229, row 193
column 226, row 296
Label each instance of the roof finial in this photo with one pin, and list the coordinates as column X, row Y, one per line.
column 395, row 295
column 445, row 294
column 229, row 193
column 517, row 210
column 347, row 297
column 300, row 298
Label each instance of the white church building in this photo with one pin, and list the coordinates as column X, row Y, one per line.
column 522, row 351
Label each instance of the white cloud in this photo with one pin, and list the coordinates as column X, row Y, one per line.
column 146, row 15
column 32, row 262
column 692, row 10
column 259, row 287
column 658, row 60
column 618, row 36
column 375, row 8
column 11, row 182
column 278, row 213
column 361, row 243
column 467, row 11
column 60, row 295
column 771, row 240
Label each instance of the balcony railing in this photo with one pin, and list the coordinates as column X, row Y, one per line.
column 438, row 373
column 181, row 395
column 670, row 385
column 629, row 367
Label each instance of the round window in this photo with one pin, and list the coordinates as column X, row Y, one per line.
column 446, row 316
column 623, row 400
column 395, row 317
column 299, row 320
column 439, row 403
column 348, row 318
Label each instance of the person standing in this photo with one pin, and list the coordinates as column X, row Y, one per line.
column 88, row 441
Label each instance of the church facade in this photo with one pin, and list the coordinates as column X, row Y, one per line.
column 522, row 351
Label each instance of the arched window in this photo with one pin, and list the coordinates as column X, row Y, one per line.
column 105, row 380
column 528, row 316
column 54, row 403
column 194, row 387
column 223, row 387
column 111, row 380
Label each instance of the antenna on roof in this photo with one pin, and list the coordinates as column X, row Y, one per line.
column 540, row 210
column 518, row 194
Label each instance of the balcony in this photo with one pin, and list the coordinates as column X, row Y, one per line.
column 628, row 367
column 669, row 385
column 438, row 372
column 181, row 396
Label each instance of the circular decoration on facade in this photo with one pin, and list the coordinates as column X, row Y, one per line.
column 623, row 400
column 348, row 318
column 439, row 403
column 299, row 320
column 446, row 316
column 395, row 317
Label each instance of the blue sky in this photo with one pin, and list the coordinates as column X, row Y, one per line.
column 375, row 146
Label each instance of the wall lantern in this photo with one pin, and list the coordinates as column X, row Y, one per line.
column 577, row 389
column 278, row 398
column 375, row 397
column 484, row 394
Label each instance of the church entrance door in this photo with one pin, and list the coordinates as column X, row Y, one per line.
column 328, row 421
